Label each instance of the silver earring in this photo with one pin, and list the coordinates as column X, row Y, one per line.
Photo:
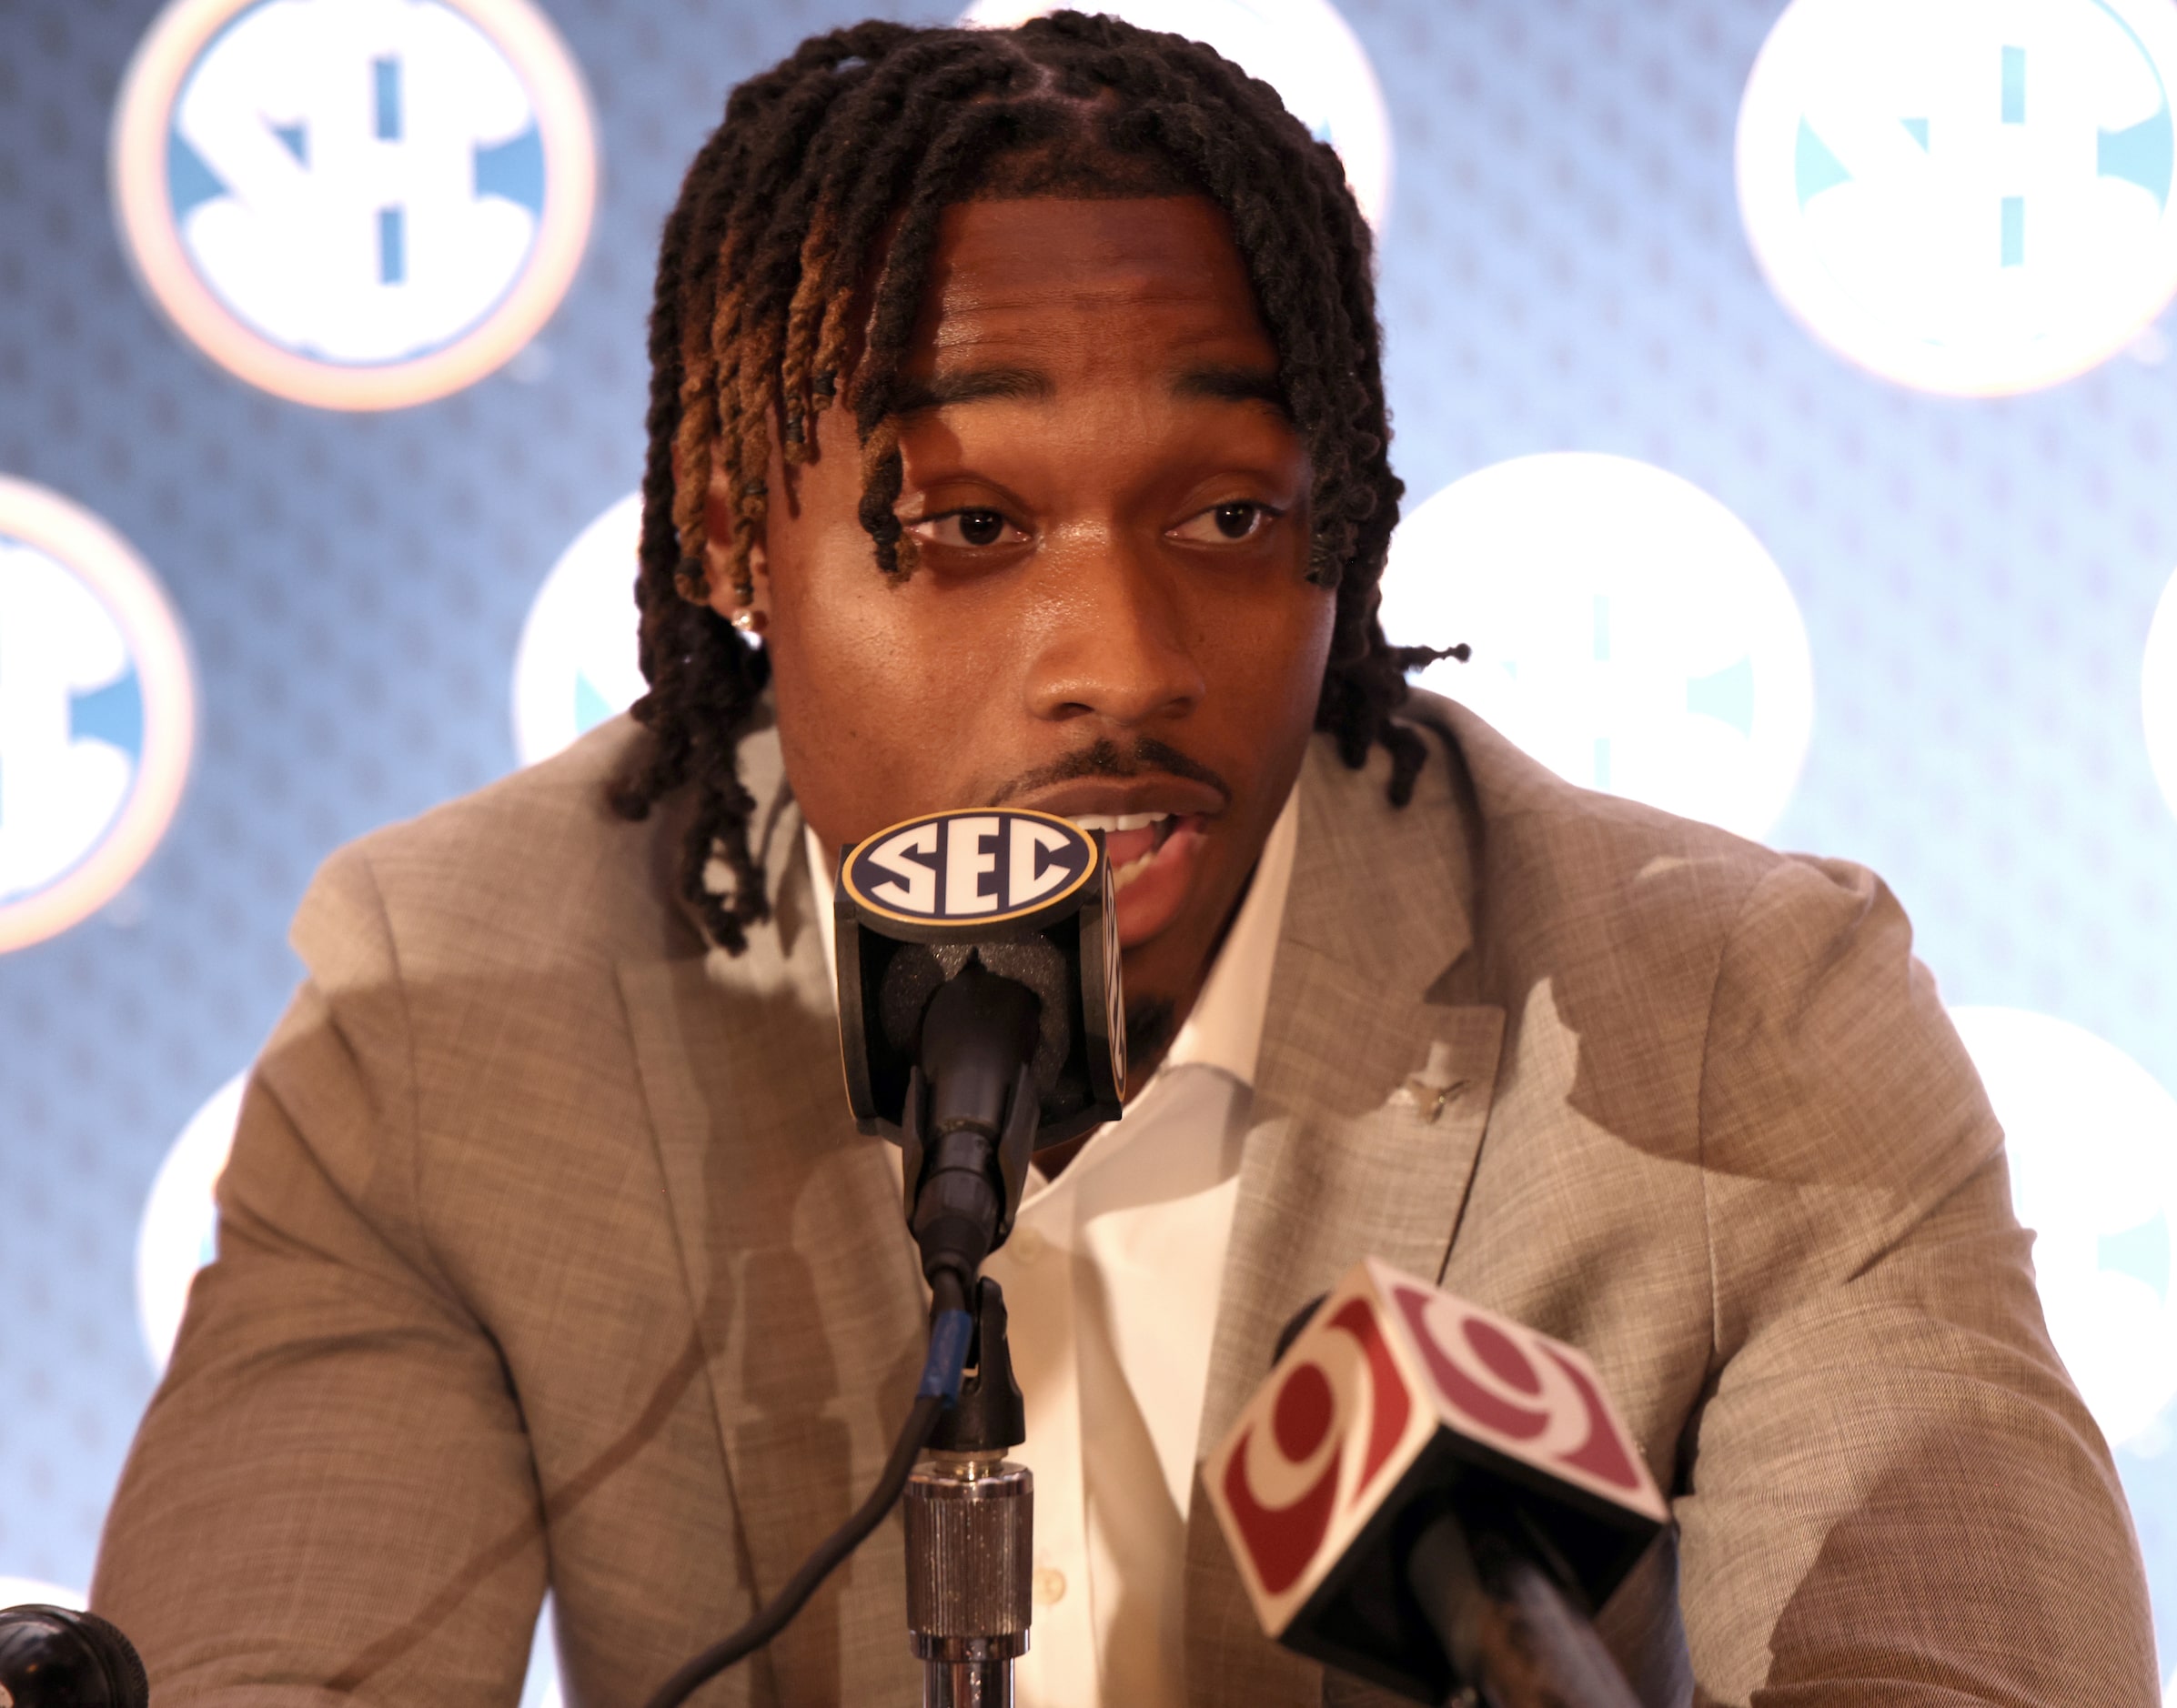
column 748, row 620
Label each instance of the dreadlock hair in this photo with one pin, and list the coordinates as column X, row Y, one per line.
column 790, row 274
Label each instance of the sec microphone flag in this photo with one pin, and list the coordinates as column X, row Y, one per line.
column 1396, row 1394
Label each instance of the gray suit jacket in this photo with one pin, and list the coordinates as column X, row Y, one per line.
column 549, row 1252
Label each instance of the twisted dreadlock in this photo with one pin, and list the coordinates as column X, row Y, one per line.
column 791, row 273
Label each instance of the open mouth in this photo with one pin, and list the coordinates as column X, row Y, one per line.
column 1132, row 840
column 1153, row 859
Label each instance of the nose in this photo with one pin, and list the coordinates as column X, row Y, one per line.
column 1114, row 645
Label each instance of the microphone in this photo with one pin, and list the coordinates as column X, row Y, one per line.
column 981, row 1017
column 51, row 1657
column 1433, row 1497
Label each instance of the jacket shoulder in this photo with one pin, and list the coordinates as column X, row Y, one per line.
column 1571, row 839
column 537, row 869
column 1662, row 944
column 1578, row 875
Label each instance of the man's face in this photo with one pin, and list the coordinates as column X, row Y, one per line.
column 1110, row 617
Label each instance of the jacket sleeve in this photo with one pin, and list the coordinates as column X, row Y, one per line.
column 331, row 1497
column 1892, row 1494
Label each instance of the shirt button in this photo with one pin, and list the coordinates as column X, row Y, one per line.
column 1049, row 1587
column 1027, row 1244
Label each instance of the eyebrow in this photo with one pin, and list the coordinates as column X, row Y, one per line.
column 1219, row 384
column 1213, row 383
column 974, row 385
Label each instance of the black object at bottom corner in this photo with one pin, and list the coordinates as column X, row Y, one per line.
column 55, row 1657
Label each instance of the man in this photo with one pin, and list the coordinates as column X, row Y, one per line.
column 1021, row 391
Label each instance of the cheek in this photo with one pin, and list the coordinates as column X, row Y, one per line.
column 1270, row 658
column 1315, row 640
column 871, row 713
column 832, row 651
column 842, row 670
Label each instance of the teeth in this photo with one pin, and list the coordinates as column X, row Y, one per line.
column 1121, row 876
column 1109, row 823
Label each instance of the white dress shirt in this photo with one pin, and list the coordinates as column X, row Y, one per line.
column 1111, row 1278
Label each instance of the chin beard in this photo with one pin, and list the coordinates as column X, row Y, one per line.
column 1149, row 1031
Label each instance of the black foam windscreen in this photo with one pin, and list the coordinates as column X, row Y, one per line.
column 917, row 970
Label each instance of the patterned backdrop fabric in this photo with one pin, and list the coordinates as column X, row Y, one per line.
column 1787, row 399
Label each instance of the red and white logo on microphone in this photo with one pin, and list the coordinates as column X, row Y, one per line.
column 1386, row 1366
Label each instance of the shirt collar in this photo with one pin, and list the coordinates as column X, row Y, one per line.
column 1224, row 1028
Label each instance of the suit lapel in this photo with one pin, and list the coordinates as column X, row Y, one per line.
column 811, row 1360
column 1368, row 1115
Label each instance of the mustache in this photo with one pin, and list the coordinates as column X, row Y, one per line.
column 1146, row 757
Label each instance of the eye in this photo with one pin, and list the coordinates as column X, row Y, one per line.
column 968, row 529
column 1226, row 524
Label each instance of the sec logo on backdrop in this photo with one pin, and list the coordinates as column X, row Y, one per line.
column 179, row 1234
column 2158, row 693
column 1968, row 197
column 577, row 662
column 1302, row 48
column 98, row 713
column 1629, row 631
column 2093, row 1143
column 354, row 203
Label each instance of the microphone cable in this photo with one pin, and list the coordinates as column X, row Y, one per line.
column 949, row 1329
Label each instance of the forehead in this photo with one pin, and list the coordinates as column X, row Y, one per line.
column 1047, row 276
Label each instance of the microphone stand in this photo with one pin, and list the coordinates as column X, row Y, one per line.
column 970, row 1122
column 970, row 1514
column 1507, row 1625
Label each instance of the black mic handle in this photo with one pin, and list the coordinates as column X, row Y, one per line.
column 1510, row 1631
column 51, row 1657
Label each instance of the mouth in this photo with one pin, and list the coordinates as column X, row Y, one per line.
column 1152, row 858
column 1131, row 840
column 1158, row 825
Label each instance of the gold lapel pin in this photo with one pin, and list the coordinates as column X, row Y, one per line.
column 1429, row 1099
